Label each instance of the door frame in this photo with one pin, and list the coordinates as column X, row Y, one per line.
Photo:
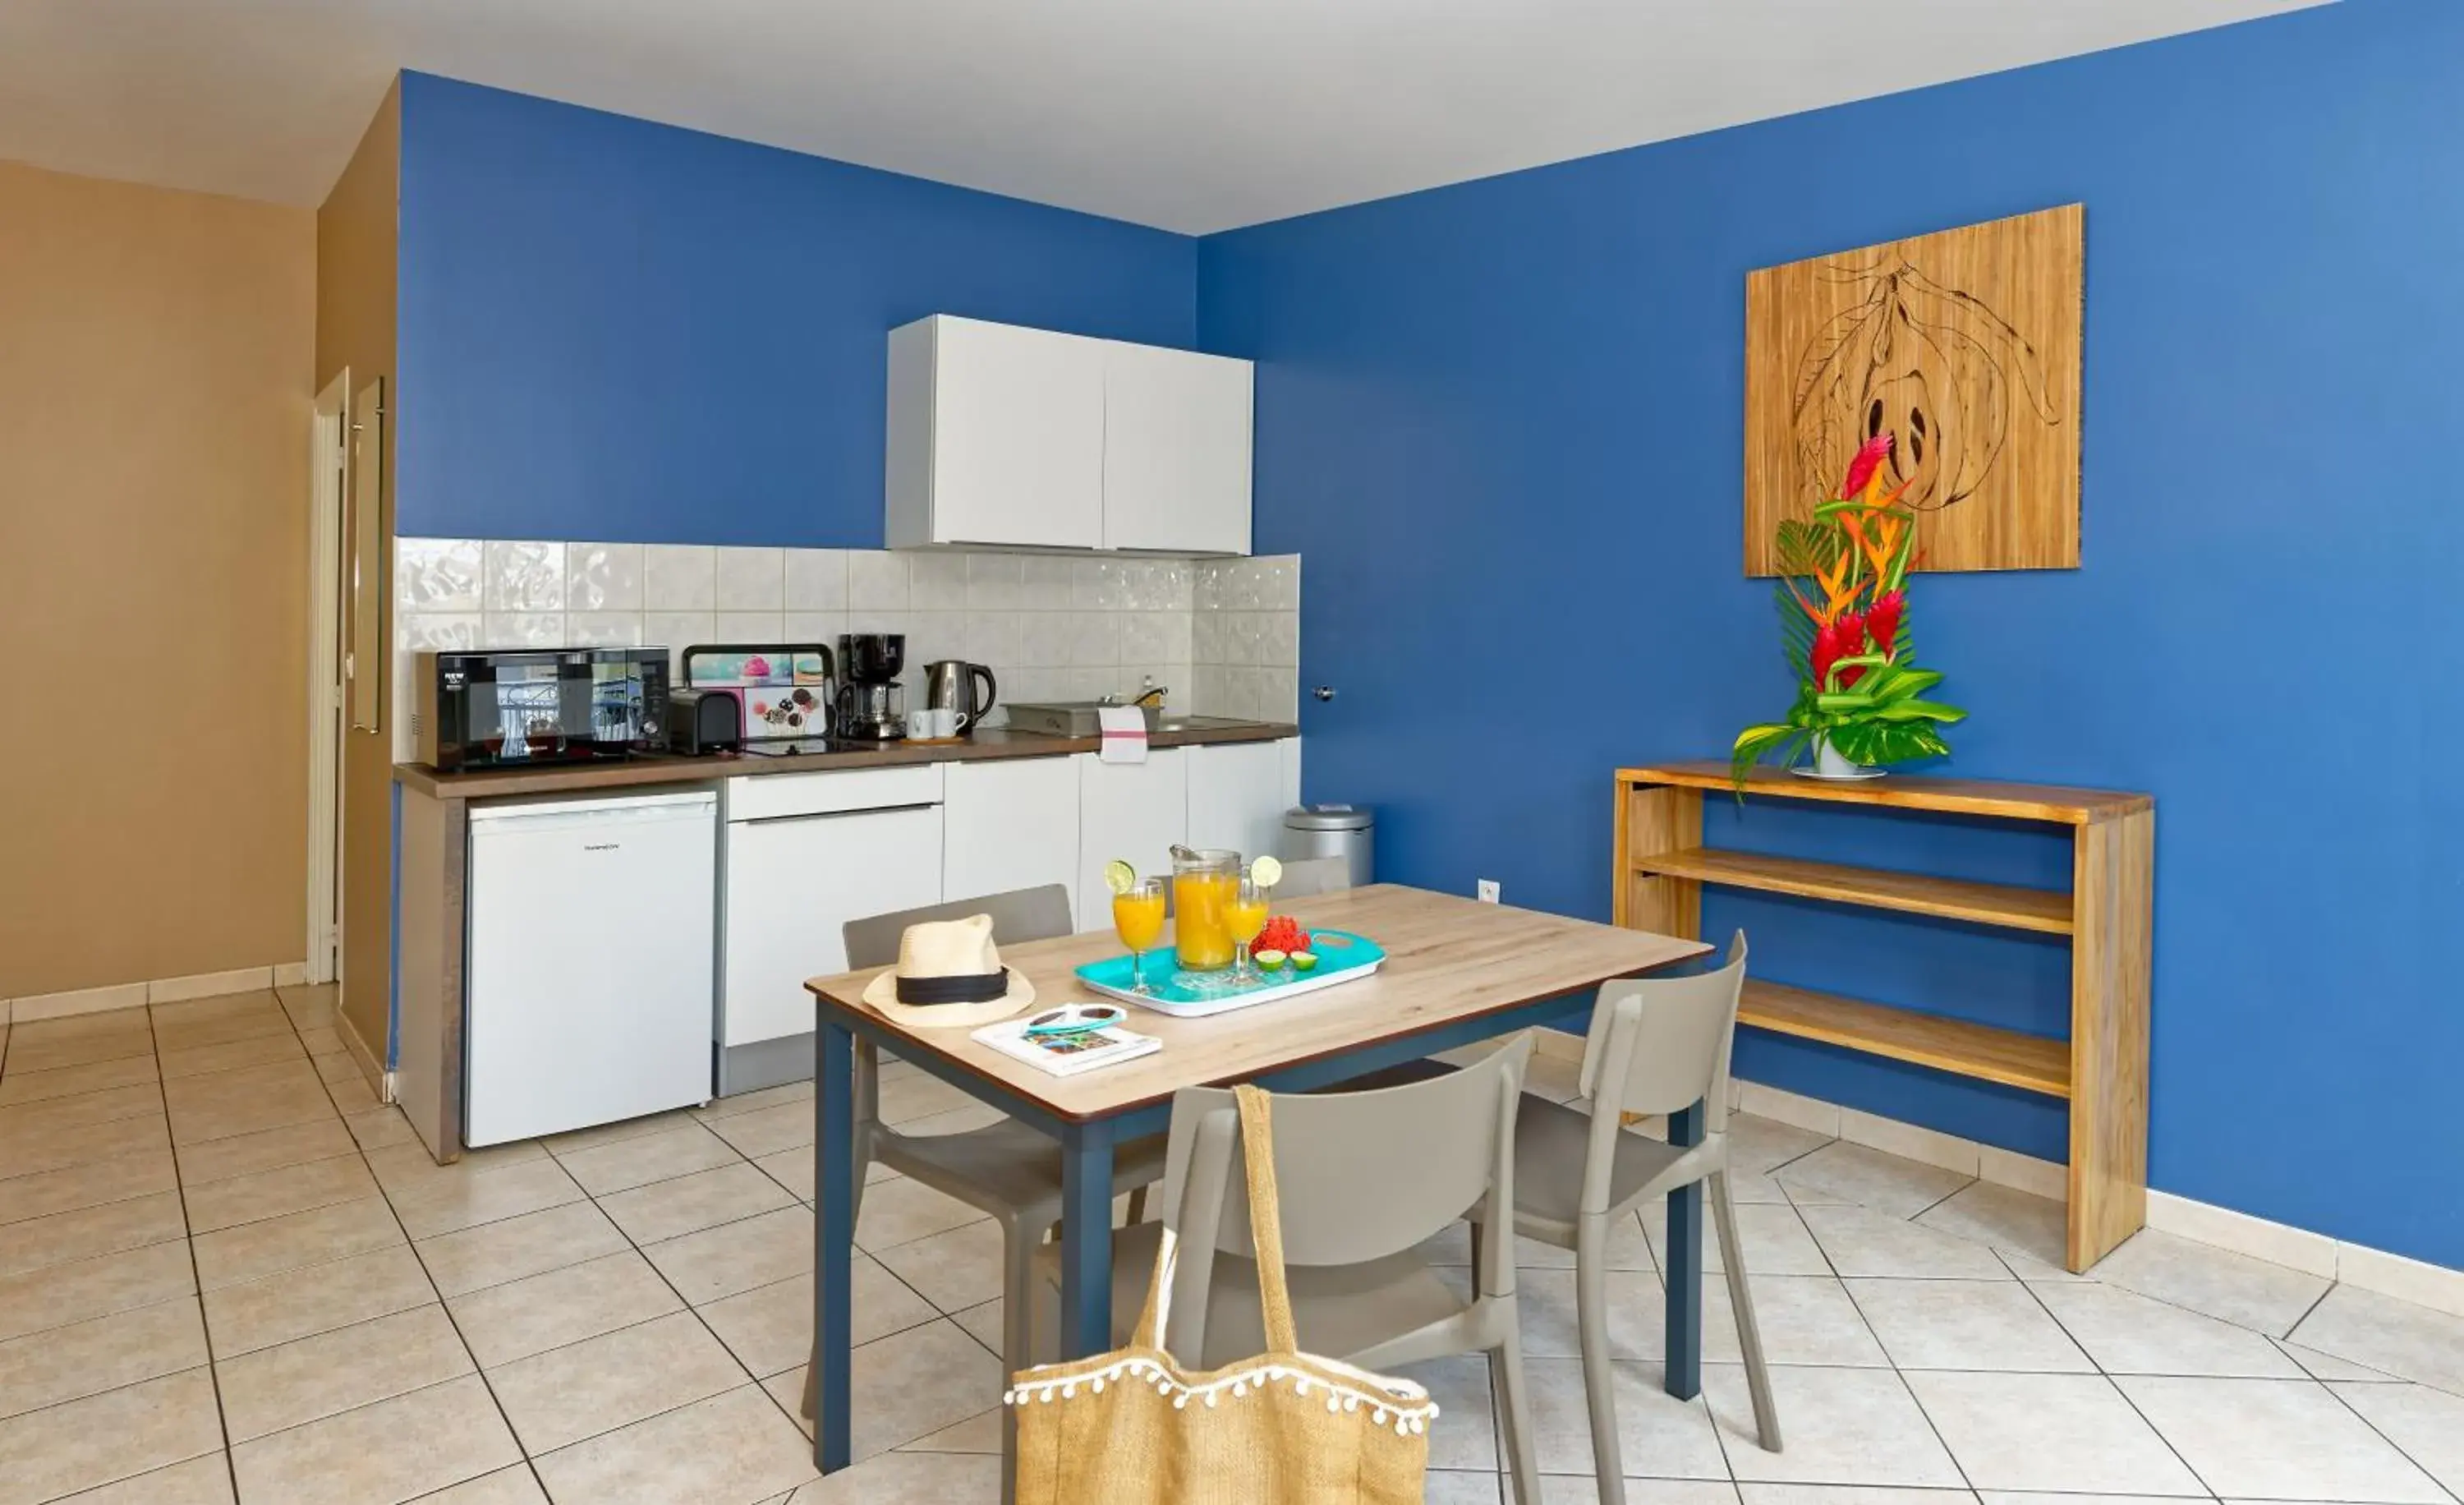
column 328, row 498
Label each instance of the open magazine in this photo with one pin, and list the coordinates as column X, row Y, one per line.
column 1032, row 1040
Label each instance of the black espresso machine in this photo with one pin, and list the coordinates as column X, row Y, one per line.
column 510, row 708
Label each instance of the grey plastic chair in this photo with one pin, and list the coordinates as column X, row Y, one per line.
column 1364, row 1179
column 1307, row 877
column 1657, row 1046
column 1007, row 1170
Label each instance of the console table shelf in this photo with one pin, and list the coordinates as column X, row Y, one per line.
column 2101, row 1069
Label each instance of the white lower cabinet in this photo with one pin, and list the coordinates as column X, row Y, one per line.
column 1135, row 812
column 1236, row 797
column 792, row 881
column 1010, row 824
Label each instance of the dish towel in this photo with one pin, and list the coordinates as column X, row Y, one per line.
column 1124, row 729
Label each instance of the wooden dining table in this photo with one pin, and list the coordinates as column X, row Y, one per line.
column 1456, row 972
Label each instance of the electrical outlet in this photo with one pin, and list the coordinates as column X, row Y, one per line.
column 1488, row 890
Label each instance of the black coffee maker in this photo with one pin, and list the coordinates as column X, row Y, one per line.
column 872, row 704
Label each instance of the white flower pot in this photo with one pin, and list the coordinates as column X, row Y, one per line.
column 1830, row 763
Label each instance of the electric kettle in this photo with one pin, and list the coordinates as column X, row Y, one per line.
column 951, row 685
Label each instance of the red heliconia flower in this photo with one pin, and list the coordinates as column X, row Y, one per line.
column 1860, row 470
column 1841, row 638
column 1883, row 620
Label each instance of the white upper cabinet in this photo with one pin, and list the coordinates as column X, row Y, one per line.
column 1003, row 435
column 1176, row 451
column 996, row 436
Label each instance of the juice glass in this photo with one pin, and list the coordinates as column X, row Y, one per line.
column 1203, row 884
column 1244, row 917
column 1138, row 918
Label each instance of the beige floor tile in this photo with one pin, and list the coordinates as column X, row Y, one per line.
column 770, row 1328
column 407, row 1170
column 1565, row 1489
column 490, row 1196
column 333, row 1068
column 350, row 1091
column 115, row 1435
column 103, row 1353
column 565, row 1395
column 296, row 1241
column 706, row 1198
column 912, row 1478
column 384, row 1129
column 321, row 1040
column 514, row 1486
column 2277, row 1439
column 330, row 1373
column 753, row 1102
column 767, row 1130
column 953, row 1120
column 1869, row 1178
column 735, row 1258
column 497, row 1252
column 1879, row 1494
column 1805, row 1319
column 1841, row 1426
column 786, row 1391
column 83, row 1026
column 267, row 1149
column 912, row 1384
column 301, row 1303
column 907, row 1098
column 197, row 1034
column 1550, row 1329
column 274, row 1110
column 247, row 1002
column 278, row 1193
column 1465, row 1434
column 1860, row 1243
column 1967, row 1324
column 207, row 1059
column 954, row 1271
column 565, row 1146
column 36, row 1148
column 1675, row 1435
column 1466, row 1487
column 2072, row 1433
column 70, row 1081
column 2329, row 1367
column 396, row 1450
column 522, row 1317
column 2126, row 1333
column 793, row 1169
column 30, row 1056
column 2248, row 1293
column 2004, row 1217
column 309, row 1005
column 979, row 1433
column 614, row 1166
column 200, row 1481
column 1773, row 1233
column 902, row 1211
column 59, row 1295
column 2392, row 1337
column 89, row 1186
column 729, row 1449
column 2427, row 1425
column 51, row 1116
column 983, row 1322
column 238, row 1084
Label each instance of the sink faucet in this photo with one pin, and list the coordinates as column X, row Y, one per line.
column 1153, row 691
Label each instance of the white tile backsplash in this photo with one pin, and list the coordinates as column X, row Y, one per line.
column 751, row 580
column 1221, row 635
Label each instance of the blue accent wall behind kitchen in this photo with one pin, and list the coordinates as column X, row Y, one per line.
column 616, row 329
column 1502, row 421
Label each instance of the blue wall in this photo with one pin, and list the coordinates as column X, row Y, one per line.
column 1502, row 421
column 614, row 329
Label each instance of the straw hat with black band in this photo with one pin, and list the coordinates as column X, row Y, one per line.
column 949, row 973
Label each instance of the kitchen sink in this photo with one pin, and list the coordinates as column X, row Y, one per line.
column 1077, row 718
column 1198, row 723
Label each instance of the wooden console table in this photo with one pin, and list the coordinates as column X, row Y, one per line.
column 2101, row 1069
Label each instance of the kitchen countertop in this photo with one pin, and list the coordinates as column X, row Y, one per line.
column 489, row 783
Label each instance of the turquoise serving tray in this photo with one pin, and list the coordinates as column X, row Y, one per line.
column 1342, row 957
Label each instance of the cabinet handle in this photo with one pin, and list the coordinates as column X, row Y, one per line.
column 825, row 815
column 1324, row 692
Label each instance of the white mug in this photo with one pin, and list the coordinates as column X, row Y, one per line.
column 933, row 723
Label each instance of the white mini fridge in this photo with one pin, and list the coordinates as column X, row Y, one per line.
column 590, row 981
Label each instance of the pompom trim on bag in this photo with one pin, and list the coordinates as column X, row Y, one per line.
column 1406, row 1406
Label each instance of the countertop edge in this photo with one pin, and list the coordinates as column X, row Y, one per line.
column 566, row 779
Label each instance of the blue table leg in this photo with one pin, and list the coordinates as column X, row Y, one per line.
column 1087, row 1240
column 833, row 1239
column 1684, row 1272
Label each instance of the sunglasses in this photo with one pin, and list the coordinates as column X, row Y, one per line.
column 1076, row 1018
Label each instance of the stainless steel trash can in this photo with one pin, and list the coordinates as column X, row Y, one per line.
column 1349, row 832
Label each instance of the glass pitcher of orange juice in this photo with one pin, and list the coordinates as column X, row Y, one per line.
column 1204, row 886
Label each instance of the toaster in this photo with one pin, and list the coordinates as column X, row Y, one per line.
column 704, row 722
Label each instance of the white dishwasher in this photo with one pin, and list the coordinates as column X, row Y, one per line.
column 593, row 931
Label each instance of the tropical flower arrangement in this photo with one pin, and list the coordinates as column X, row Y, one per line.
column 1845, row 626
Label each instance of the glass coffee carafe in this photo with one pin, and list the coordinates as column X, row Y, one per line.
column 1204, row 885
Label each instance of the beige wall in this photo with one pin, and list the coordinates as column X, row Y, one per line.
column 355, row 328
column 155, row 364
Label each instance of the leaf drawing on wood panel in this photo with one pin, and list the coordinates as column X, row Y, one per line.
column 1933, row 365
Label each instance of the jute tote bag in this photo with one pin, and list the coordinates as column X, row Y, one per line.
column 1132, row 1427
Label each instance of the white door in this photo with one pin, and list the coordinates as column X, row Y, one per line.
column 1018, row 436
column 1236, row 797
column 1133, row 812
column 1176, row 451
column 1011, row 824
column 792, row 881
column 589, row 958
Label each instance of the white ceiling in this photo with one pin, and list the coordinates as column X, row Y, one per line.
column 1194, row 115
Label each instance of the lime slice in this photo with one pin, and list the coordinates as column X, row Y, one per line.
column 1266, row 872
column 1119, row 876
column 1302, row 961
column 1268, row 961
